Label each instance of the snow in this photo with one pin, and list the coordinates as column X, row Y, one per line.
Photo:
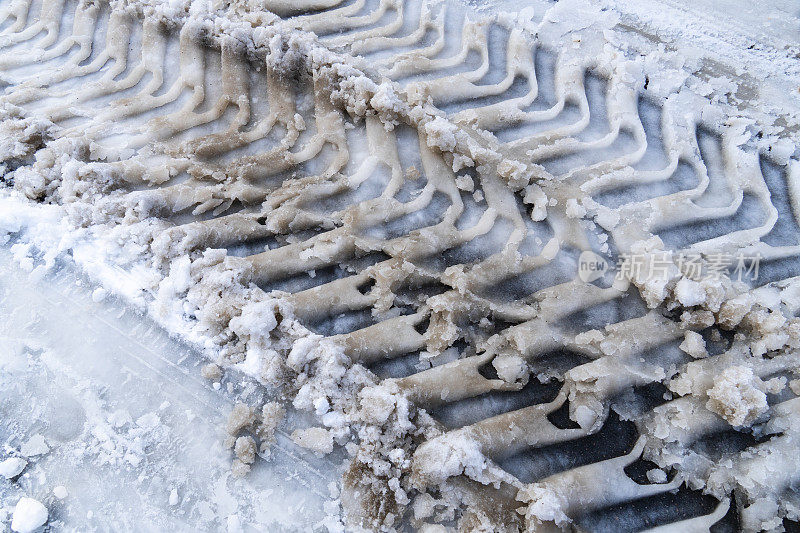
column 689, row 292
column 29, row 515
column 99, row 294
column 574, row 209
column 34, row 446
column 12, row 467
column 245, row 331
column 211, row 372
column 545, row 505
column 656, row 475
column 318, row 440
column 245, row 449
column 511, row 368
column 148, row 421
column 694, row 345
column 107, row 380
column 448, row 456
column 737, row 396
column 441, row 134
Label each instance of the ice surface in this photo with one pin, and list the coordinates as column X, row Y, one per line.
column 102, row 404
column 133, row 432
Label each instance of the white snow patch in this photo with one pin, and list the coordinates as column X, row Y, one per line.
column 29, row 515
column 12, row 467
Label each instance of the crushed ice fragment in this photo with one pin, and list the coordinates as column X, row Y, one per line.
column 99, row 294
column 12, row 467
column 29, row 515
column 34, row 446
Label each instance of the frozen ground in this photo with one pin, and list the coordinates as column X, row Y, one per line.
column 128, row 420
column 135, row 434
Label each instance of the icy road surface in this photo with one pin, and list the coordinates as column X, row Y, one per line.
column 116, row 429
column 134, row 433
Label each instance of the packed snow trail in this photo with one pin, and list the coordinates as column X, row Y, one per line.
column 383, row 210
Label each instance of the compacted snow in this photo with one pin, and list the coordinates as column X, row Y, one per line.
column 108, row 423
column 243, row 418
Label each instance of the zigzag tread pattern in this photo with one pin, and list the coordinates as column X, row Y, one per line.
column 450, row 284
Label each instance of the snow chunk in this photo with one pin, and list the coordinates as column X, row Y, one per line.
column 424, row 506
column 441, row 134
column 574, row 209
column 511, row 368
column 694, row 345
column 465, row 183
column 99, row 294
column 211, row 372
column 515, row 173
column 148, row 421
column 689, row 292
column 34, row 446
column 239, row 469
column 761, row 515
column 245, row 449
column 448, row 456
column 388, row 105
column 272, row 414
column 318, row 440
column 379, row 402
column 29, row 514
column 737, row 397
column 12, row 467
column 656, row 475
column 241, row 416
column 257, row 319
column 60, row 492
column 546, row 505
